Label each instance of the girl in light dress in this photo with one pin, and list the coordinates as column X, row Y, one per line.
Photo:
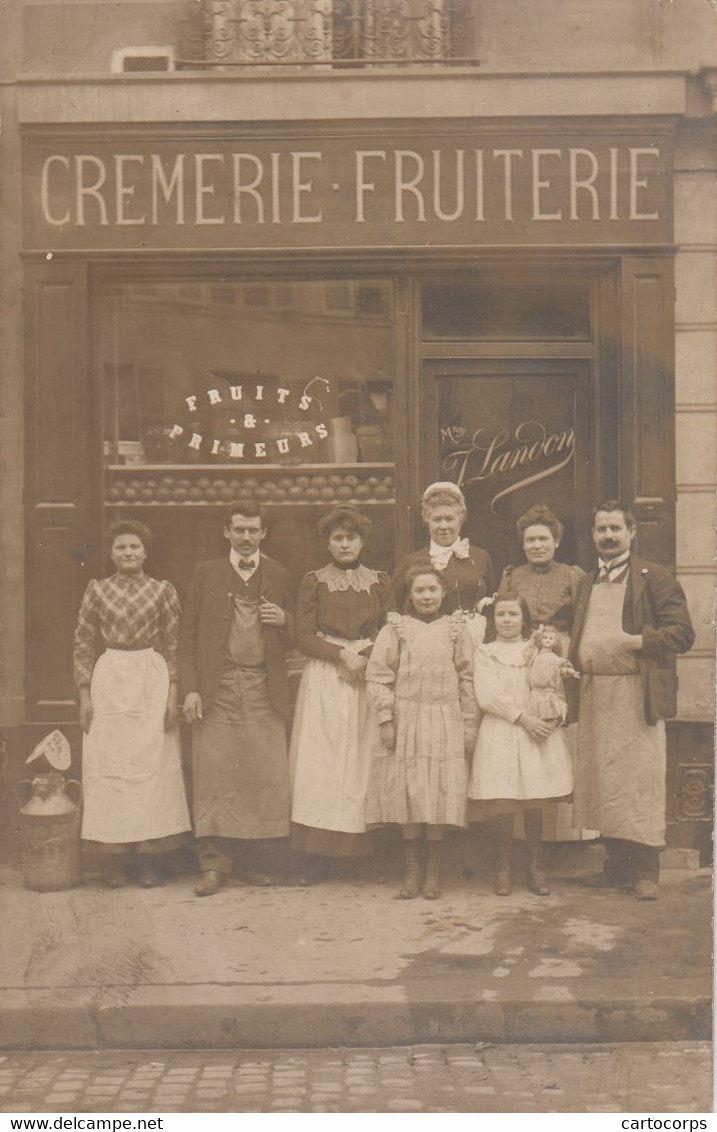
column 521, row 761
column 420, row 682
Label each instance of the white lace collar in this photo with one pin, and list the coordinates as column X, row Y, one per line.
column 360, row 578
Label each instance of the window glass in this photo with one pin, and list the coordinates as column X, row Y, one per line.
column 531, row 312
column 512, row 435
column 279, row 392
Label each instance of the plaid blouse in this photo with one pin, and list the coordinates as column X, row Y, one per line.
column 549, row 591
column 127, row 612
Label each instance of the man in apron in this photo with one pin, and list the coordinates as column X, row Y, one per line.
column 631, row 619
column 238, row 621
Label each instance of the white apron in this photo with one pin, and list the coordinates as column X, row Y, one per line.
column 330, row 752
column 131, row 767
column 620, row 778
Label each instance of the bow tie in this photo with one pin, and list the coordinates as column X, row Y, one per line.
column 245, row 564
column 441, row 555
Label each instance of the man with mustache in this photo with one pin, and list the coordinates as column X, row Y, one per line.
column 237, row 625
column 631, row 619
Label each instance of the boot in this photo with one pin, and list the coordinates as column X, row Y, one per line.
column 148, row 875
column 617, row 869
column 537, row 880
column 432, row 887
column 503, row 827
column 412, row 864
column 115, row 875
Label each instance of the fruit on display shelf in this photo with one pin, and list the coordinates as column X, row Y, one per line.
column 332, row 488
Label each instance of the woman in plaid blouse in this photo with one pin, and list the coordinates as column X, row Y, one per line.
column 548, row 587
column 125, row 670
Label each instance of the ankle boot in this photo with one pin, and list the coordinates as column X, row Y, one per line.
column 501, row 876
column 115, row 875
column 432, row 887
column 502, row 852
column 537, row 880
column 412, row 865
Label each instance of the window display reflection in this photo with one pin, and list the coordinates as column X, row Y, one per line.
column 276, row 391
column 248, row 373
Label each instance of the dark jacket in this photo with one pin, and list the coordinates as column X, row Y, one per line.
column 655, row 605
column 207, row 619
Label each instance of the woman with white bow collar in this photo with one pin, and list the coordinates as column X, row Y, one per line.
column 467, row 569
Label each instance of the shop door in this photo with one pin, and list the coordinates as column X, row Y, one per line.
column 512, row 433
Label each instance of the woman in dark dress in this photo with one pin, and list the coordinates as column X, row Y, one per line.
column 466, row 569
column 341, row 608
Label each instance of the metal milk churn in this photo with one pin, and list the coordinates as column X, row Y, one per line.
column 49, row 832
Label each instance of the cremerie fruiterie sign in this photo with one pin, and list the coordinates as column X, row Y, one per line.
column 447, row 186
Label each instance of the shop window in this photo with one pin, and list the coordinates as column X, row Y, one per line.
column 370, row 301
column 272, row 391
column 535, row 311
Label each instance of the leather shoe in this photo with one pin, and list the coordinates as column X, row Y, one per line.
column 646, row 890
column 537, row 881
column 148, row 876
column 501, row 883
column 603, row 880
column 257, row 878
column 210, row 882
column 115, row 876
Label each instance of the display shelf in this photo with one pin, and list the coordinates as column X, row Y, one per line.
column 295, row 485
column 220, row 504
column 238, row 469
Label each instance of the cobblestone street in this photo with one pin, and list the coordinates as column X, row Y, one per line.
column 633, row 1077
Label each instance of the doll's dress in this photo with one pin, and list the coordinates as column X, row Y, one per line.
column 546, row 698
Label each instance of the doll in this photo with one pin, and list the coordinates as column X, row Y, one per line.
column 546, row 672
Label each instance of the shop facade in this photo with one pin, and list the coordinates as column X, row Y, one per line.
column 357, row 283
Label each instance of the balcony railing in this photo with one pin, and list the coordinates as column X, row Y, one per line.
column 333, row 33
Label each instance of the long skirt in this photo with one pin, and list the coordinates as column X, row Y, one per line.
column 131, row 767
column 239, row 762
column 620, row 779
column 330, row 753
column 424, row 779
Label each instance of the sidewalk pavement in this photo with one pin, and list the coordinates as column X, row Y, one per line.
column 346, row 963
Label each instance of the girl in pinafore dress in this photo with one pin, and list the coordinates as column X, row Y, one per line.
column 125, row 662
column 341, row 608
column 419, row 680
column 520, row 761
